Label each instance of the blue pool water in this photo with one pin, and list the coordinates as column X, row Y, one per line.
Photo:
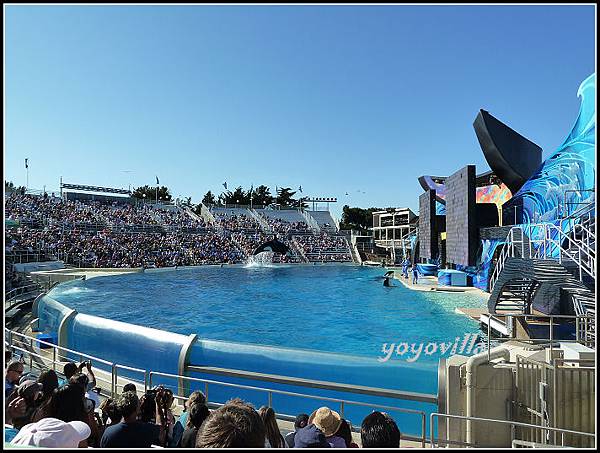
column 284, row 320
column 342, row 309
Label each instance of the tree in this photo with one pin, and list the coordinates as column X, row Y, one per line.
column 357, row 218
column 209, row 199
column 150, row 193
column 285, row 197
column 9, row 187
column 239, row 196
column 262, row 196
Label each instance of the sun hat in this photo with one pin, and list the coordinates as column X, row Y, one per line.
column 53, row 433
column 326, row 420
column 29, row 389
column 310, row 437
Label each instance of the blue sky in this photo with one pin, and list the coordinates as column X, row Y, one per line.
column 357, row 99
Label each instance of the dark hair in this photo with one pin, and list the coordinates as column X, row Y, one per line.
column 301, row 421
column 127, row 404
column 69, row 369
column 345, row 432
column 129, row 388
column 379, row 430
column 110, row 410
column 198, row 413
column 49, row 381
column 272, row 433
column 67, row 403
column 147, row 407
column 80, row 379
column 235, row 424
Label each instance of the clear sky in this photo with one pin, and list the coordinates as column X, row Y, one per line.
column 338, row 99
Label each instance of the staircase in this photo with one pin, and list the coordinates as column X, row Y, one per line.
column 312, row 223
column 550, row 268
column 261, row 221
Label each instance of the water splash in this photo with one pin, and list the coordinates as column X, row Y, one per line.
column 262, row 259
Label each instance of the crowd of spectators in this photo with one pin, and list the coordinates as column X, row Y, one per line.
column 46, row 411
column 324, row 247
column 236, row 222
column 95, row 234
column 108, row 248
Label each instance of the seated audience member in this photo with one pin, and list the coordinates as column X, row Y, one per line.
column 198, row 412
column 14, row 370
column 130, row 387
column 31, row 393
column 345, row 432
column 130, row 432
column 379, row 430
column 310, row 437
column 52, row 433
column 110, row 412
column 68, row 403
column 196, row 397
column 83, row 381
column 70, row 369
column 273, row 439
column 301, row 422
column 328, row 422
column 15, row 409
column 49, row 381
column 234, row 425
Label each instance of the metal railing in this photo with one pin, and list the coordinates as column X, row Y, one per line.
column 581, row 334
column 435, row 443
column 343, row 403
column 545, row 241
column 11, row 298
column 55, row 356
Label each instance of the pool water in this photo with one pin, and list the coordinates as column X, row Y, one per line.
column 332, row 308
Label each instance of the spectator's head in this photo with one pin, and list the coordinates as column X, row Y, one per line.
column 310, row 437
column 109, row 410
column 301, row 421
column 67, row 403
column 196, row 397
column 128, row 405
column 70, row 369
column 49, row 381
column 198, row 413
column 53, row 433
column 31, row 391
column 345, row 432
column 130, row 388
column 234, row 425
column 147, row 407
column 267, row 414
column 80, row 379
column 379, row 430
column 326, row 420
column 14, row 370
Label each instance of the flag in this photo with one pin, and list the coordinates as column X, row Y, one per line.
column 157, row 183
column 300, row 189
column 225, row 185
column 26, row 166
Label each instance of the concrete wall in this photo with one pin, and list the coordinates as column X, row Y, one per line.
column 428, row 244
column 461, row 238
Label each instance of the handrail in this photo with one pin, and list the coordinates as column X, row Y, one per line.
column 270, row 392
column 324, row 385
column 432, row 437
column 25, row 339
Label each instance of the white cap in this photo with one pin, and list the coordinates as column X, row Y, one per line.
column 53, row 433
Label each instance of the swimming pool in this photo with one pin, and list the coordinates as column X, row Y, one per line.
column 278, row 319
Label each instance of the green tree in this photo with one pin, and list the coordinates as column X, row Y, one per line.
column 239, row 197
column 209, row 199
column 357, row 218
column 285, row 197
column 151, row 193
column 262, row 196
